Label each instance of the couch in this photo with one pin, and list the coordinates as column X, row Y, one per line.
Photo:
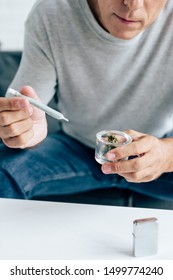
column 9, row 62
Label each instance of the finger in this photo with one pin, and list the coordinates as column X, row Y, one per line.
column 134, row 134
column 126, row 166
column 136, row 148
column 15, row 129
column 19, row 141
column 145, row 175
column 9, row 117
column 29, row 91
column 12, row 104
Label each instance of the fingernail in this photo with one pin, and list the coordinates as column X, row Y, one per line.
column 30, row 109
column 106, row 169
column 20, row 104
column 110, row 156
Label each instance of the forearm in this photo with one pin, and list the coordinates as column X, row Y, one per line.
column 168, row 148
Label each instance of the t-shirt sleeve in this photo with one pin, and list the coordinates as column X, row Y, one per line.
column 37, row 68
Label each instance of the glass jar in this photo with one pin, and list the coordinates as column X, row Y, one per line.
column 107, row 140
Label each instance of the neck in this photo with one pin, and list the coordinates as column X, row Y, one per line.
column 94, row 7
column 93, row 4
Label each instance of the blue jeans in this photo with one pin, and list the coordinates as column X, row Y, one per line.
column 62, row 165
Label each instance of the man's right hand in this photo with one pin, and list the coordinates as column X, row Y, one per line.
column 21, row 124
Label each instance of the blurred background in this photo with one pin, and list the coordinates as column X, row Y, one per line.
column 13, row 14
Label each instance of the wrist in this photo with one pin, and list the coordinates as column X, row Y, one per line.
column 168, row 150
column 39, row 133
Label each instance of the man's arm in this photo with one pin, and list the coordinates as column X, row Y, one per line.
column 36, row 68
column 26, row 127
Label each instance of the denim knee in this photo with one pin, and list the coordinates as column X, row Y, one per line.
column 8, row 187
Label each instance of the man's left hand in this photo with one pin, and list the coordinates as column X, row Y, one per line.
column 151, row 158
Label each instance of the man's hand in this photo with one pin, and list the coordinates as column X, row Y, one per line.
column 153, row 157
column 21, row 124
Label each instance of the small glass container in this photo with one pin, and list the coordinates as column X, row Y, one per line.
column 107, row 140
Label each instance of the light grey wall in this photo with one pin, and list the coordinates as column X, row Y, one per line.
column 13, row 14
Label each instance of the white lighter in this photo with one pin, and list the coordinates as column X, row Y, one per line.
column 145, row 237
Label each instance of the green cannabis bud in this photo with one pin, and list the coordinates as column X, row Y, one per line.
column 112, row 139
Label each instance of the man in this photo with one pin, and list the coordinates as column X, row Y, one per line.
column 110, row 64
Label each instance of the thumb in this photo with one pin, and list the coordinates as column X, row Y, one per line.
column 37, row 114
column 29, row 91
column 39, row 127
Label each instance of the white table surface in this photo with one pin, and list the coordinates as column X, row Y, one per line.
column 38, row 230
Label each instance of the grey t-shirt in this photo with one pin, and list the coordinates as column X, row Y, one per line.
column 102, row 82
